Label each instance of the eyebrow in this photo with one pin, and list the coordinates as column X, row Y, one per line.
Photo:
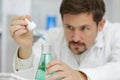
column 68, row 25
column 73, row 26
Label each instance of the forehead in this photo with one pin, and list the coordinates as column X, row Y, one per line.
column 79, row 19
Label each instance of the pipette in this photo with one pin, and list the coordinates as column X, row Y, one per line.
column 31, row 25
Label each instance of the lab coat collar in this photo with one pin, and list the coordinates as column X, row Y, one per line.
column 99, row 42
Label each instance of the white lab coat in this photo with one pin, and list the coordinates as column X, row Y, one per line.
column 100, row 62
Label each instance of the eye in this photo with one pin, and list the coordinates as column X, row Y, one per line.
column 69, row 27
column 84, row 28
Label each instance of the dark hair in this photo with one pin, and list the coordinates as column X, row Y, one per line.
column 96, row 7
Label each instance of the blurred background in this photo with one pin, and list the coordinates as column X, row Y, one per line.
column 42, row 12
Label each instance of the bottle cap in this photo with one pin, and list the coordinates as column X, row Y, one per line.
column 31, row 25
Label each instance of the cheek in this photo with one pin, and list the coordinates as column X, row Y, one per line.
column 68, row 35
column 89, row 40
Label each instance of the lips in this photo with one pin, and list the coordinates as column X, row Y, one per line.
column 76, row 46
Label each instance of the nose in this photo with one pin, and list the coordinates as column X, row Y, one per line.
column 77, row 36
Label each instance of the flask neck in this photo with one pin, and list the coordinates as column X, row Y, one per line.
column 46, row 49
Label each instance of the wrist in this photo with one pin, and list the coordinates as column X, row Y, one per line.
column 24, row 53
column 82, row 76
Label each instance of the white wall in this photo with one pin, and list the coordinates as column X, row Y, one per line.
column 42, row 8
column 112, row 10
column 11, row 8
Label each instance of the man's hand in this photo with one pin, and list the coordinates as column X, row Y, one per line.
column 21, row 35
column 19, row 32
column 63, row 71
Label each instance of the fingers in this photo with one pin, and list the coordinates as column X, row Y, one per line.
column 65, row 79
column 18, row 25
column 55, row 68
column 54, row 62
column 21, row 17
column 57, row 76
column 61, row 70
column 19, row 22
column 18, row 18
column 28, row 17
column 17, row 30
column 20, row 32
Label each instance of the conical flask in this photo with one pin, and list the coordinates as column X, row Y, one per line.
column 46, row 57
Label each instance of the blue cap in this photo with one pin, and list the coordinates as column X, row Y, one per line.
column 50, row 22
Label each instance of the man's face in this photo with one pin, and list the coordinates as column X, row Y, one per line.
column 80, row 31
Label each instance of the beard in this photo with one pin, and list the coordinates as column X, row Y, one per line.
column 77, row 47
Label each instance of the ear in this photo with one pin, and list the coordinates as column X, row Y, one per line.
column 101, row 25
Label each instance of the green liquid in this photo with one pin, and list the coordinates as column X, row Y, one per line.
column 45, row 59
column 40, row 75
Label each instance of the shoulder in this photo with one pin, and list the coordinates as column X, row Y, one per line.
column 111, row 27
column 111, row 32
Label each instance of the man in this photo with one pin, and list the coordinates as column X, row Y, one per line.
column 87, row 47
